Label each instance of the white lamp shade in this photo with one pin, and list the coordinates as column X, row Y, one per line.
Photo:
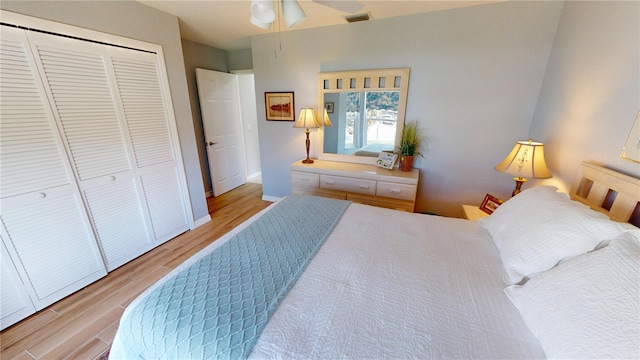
column 307, row 119
column 526, row 160
column 327, row 121
column 292, row 12
column 257, row 23
column 263, row 12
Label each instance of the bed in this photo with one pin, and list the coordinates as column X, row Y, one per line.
column 544, row 276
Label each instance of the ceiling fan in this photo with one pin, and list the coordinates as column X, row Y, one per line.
column 263, row 12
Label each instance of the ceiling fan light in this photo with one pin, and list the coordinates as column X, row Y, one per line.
column 292, row 12
column 260, row 24
column 263, row 11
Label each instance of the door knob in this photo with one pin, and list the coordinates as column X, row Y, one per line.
column 211, row 143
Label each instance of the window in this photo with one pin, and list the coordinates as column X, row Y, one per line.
column 371, row 119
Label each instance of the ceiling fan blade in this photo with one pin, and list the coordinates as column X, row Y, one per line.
column 348, row 6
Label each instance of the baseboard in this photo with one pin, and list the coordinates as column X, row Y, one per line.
column 270, row 198
column 208, row 194
column 202, row 221
column 254, row 175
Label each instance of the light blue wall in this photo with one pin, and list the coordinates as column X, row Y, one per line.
column 591, row 91
column 475, row 78
column 240, row 59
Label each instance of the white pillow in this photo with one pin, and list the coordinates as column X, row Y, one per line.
column 539, row 227
column 589, row 306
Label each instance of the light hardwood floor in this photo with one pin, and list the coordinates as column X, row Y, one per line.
column 82, row 325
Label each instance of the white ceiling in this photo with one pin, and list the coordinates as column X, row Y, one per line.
column 224, row 24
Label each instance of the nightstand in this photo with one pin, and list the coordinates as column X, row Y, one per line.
column 472, row 212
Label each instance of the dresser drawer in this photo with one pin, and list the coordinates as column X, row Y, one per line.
column 304, row 179
column 396, row 191
column 360, row 183
column 360, row 186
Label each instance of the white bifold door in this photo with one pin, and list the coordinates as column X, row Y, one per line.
column 50, row 246
column 89, row 169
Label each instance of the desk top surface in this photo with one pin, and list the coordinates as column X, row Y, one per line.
column 365, row 171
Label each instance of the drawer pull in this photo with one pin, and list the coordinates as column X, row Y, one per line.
column 364, row 187
column 304, row 179
column 330, row 182
column 42, row 195
column 395, row 191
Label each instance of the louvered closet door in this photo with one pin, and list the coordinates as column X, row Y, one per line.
column 44, row 226
column 14, row 299
column 144, row 106
column 78, row 77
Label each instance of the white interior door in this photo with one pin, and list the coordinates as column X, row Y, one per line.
column 220, row 108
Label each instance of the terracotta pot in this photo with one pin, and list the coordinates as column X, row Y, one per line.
column 406, row 162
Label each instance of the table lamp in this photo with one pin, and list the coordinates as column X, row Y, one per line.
column 526, row 159
column 307, row 119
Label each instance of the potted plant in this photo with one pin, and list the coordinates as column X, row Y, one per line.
column 409, row 145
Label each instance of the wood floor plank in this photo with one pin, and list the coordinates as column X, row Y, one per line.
column 76, row 341
column 143, row 284
column 89, row 350
column 109, row 333
column 83, row 325
column 185, row 238
column 88, row 296
column 72, row 342
column 68, row 324
column 24, row 329
column 23, row 355
column 143, row 261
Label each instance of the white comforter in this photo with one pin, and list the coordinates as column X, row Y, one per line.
column 388, row 284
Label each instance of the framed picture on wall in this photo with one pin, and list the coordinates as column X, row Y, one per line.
column 490, row 204
column 329, row 107
column 279, row 106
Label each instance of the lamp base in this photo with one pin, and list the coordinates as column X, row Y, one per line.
column 519, row 182
column 307, row 143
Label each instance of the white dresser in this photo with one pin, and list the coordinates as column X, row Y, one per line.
column 361, row 183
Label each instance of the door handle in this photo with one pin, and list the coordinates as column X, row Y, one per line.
column 211, row 143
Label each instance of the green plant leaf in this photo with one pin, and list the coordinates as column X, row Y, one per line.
column 411, row 138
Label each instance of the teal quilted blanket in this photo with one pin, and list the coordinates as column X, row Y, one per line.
column 218, row 306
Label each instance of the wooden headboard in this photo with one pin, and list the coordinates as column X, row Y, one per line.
column 612, row 193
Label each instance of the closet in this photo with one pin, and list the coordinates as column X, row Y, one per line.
column 89, row 164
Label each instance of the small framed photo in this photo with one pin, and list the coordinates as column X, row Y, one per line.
column 490, row 204
column 329, row 107
column 279, row 106
column 387, row 160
